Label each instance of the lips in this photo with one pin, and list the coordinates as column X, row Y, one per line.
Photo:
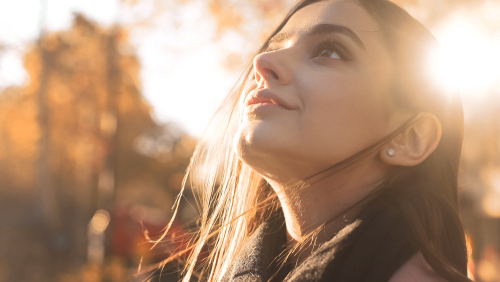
column 265, row 96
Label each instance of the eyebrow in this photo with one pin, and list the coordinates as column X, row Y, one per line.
column 318, row 30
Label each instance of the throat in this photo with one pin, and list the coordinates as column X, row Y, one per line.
column 315, row 213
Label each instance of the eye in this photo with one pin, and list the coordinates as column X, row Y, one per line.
column 330, row 53
column 330, row 50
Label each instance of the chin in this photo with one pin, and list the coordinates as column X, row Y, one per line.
column 253, row 140
column 265, row 148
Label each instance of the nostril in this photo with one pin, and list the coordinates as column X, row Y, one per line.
column 271, row 72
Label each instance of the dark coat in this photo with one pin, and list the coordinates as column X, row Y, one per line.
column 371, row 248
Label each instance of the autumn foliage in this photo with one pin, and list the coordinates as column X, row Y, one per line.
column 77, row 138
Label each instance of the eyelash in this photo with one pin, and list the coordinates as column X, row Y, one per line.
column 326, row 44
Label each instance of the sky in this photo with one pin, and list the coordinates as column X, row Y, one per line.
column 171, row 57
column 182, row 72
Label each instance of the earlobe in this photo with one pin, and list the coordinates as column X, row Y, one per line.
column 414, row 144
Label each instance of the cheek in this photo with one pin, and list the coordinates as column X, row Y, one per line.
column 340, row 101
column 341, row 117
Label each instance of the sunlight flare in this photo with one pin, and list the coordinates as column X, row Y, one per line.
column 469, row 61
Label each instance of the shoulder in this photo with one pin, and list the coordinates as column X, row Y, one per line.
column 416, row 269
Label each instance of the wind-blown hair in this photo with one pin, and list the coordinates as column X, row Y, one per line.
column 234, row 200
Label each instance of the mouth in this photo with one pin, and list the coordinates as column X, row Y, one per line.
column 265, row 97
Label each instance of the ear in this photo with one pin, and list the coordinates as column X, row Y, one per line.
column 414, row 144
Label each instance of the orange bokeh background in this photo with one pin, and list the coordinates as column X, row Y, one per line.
column 89, row 172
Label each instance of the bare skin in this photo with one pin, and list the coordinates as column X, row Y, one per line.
column 334, row 87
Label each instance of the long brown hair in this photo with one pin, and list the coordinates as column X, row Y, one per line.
column 234, row 200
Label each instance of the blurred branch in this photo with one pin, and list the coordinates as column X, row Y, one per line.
column 49, row 204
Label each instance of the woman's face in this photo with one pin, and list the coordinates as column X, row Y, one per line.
column 320, row 92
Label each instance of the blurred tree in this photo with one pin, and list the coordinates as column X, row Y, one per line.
column 101, row 147
column 103, row 150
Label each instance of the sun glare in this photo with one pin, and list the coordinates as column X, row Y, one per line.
column 469, row 61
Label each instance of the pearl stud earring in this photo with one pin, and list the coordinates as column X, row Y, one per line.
column 390, row 152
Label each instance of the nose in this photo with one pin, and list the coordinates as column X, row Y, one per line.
column 271, row 68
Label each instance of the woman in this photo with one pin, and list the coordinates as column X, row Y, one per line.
column 338, row 157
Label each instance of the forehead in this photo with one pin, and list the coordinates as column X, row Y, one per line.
column 347, row 13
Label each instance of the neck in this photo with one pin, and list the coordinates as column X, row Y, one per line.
column 331, row 202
